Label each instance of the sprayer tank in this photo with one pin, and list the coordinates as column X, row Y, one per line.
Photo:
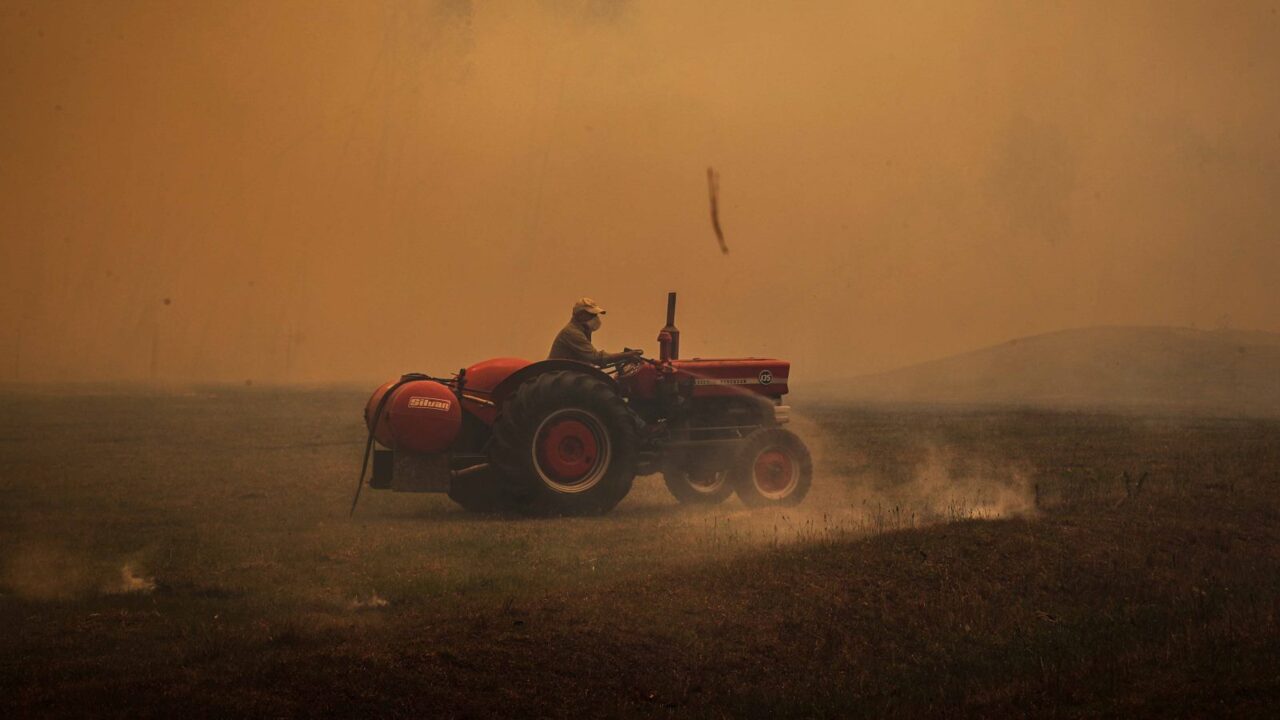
column 422, row 416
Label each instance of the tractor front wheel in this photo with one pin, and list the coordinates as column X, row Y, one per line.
column 773, row 468
column 565, row 443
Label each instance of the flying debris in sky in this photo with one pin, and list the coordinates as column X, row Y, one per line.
column 713, row 186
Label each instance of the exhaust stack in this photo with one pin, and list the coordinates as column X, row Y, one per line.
column 669, row 336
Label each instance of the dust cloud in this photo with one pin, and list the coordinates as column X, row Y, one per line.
column 290, row 191
column 938, row 481
column 944, row 484
column 49, row 572
column 373, row 602
column 46, row 573
column 132, row 582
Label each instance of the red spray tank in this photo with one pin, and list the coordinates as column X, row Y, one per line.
column 421, row 416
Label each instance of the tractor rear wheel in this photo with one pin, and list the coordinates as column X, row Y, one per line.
column 565, row 444
column 698, row 483
column 773, row 468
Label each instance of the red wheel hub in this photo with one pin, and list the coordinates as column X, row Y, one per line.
column 774, row 471
column 567, row 450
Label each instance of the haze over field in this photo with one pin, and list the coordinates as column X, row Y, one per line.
column 1110, row 367
column 299, row 191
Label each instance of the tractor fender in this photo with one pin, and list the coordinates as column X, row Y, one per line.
column 515, row 379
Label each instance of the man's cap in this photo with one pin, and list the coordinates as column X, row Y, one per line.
column 587, row 305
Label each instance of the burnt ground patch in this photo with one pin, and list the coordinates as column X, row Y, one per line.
column 1100, row 599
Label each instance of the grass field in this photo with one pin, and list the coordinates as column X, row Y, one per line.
column 192, row 553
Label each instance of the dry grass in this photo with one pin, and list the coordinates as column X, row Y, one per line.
column 191, row 553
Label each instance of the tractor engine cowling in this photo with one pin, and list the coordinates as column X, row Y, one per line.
column 422, row 416
column 734, row 377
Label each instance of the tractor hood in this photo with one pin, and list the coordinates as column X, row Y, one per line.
column 762, row 376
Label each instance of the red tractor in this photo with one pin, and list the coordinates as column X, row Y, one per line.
column 559, row 437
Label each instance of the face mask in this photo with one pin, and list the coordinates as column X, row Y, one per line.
column 594, row 323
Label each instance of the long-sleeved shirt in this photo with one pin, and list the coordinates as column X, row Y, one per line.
column 574, row 343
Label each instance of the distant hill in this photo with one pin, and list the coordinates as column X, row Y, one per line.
column 1117, row 367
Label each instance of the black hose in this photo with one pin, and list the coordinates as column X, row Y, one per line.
column 373, row 426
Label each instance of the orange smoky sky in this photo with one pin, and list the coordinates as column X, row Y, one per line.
column 345, row 191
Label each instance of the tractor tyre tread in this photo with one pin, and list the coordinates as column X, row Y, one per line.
column 511, row 444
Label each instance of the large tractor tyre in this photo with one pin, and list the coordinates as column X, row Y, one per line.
column 698, row 484
column 482, row 492
column 565, row 444
column 773, row 469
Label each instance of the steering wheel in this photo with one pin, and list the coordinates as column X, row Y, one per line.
column 626, row 367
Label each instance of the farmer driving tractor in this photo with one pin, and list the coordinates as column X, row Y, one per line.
column 574, row 340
